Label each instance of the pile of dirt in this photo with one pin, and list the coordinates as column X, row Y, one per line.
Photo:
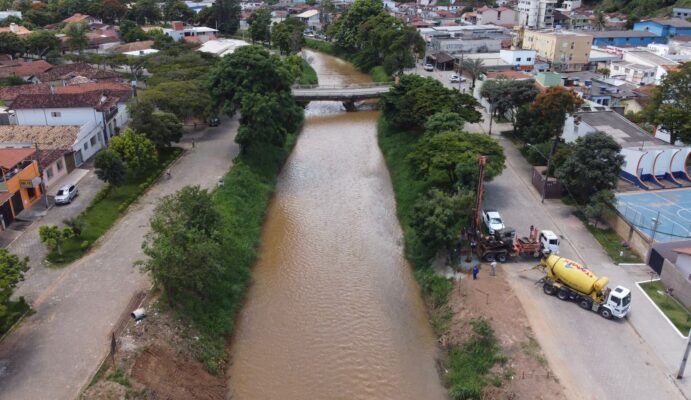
column 492, row 298
column 155, row 360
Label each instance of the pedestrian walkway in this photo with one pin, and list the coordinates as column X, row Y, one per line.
column 55, row 351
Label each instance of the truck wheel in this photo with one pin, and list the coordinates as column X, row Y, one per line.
column 585, row 304
column 501, row 257
column 606, row 313
column 548, row 288
column 563, row 294
column 489, row 257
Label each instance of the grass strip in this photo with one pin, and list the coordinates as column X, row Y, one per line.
column 610, row 241
column 468, row 365
column 106, row 207
column 671, row 307
column 309, row 75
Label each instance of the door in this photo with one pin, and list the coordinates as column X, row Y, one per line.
column 656, row 261
column 69, row 162
column 17, row 203
column 78, row 159
column 6, row 213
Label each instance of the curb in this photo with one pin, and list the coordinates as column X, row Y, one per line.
column 632, row 265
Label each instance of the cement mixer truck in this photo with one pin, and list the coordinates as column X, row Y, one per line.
column 570, row 281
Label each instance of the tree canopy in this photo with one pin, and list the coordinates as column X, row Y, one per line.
column 288, row 36
column 11, row 44
column 592, row 166
column 136, row 150
column 414, row 99
column 160, row 127
column 110, row 168
column 348, row 26
column 444, row 121
column 451, row 158
column 671, row 105
column 12, row 270
column 508, row 95
column 42, row 43
column 437, row 218
column 260, row 25
column 185, row 99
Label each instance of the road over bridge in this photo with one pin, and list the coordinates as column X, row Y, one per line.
column 347, row 94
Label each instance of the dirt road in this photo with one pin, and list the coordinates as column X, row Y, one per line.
column 54, row 352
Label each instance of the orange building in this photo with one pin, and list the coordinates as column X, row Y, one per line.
column 20, row 181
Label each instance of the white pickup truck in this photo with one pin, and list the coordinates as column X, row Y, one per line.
column 492, row 220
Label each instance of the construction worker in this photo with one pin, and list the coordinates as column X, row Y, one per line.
column 493, row 266
column 476, row 269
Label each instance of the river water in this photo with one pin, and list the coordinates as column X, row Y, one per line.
column 334, row 311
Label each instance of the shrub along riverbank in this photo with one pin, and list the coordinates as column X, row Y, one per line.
column 468, row 364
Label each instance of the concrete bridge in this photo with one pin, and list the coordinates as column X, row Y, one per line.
column 346, row 94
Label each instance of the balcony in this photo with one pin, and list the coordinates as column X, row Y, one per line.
column 11, row 173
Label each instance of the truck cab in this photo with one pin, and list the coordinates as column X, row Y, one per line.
column 550, row 241
column 618, row 301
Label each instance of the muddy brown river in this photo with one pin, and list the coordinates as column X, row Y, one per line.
column 334, row 311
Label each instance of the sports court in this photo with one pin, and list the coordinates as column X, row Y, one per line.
column 674, row 207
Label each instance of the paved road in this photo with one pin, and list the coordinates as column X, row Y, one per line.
column 593, row 358
column 54, row 352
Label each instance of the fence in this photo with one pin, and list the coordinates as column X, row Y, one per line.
column 351, row 86
column 664, row 229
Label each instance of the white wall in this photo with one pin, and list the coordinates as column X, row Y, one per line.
column 57, row 173
column 631, row 158
column 662, row 163
column 511, row 56
column 679, row 159
column 89, row 141
column 573, row 131
column 68, row 116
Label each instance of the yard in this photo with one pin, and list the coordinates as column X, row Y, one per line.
column 671, row 307
column 107, row 207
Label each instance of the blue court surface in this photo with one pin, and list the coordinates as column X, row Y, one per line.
column 674, row 207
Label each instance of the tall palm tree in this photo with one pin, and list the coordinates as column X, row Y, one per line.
column 475, row 67
column 600, row 21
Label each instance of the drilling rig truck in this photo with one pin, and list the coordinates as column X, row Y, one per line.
column 570, row 281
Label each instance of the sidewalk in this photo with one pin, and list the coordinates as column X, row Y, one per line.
column 593, row 357
column 54, row 352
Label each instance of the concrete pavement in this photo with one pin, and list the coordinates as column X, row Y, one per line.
column 55, row 351
column 594, row 358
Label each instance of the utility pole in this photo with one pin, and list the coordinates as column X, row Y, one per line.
column 40, row 172
column 549, row 160
column 478, row 194
column 656, row 221
column 491, row 113
column 680, row 374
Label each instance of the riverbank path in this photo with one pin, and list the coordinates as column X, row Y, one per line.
column 54, row 352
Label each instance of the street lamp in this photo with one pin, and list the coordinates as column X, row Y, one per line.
column 655, row 222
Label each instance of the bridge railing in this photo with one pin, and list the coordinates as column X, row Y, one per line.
column 354, row 86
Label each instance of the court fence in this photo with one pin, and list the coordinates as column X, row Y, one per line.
column 664, row 229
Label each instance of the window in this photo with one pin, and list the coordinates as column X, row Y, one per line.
column 626, row 70
column 518, row 59
column 49, row 172
column 86, row 146
column 93, row 140
column 56, row 114
column 59, row 165
column 529, row 59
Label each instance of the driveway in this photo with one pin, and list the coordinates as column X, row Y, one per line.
column 55, row 351
column 593, row 358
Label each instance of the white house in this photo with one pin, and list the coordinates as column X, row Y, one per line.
column 570, row 5
column 536, row 14
column 310, row 18
column 190, row 33
column 496, row 16
column 523, row 59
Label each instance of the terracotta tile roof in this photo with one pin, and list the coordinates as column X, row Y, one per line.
column 134, row 46
column 191, row 39
column 69, row 71
column 683, row 250
column 25, row 68
column 64, row 100
column 112, row 88
column 75, row 18
column 47, row 157
column 48, row 137
column 11, row 157
column 10, row 93
column 21, row 30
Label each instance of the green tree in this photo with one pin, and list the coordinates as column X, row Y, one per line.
column 41, row 43
column 136, row 150
column 600, row 205
column 348, row 25
column 185, row 99
column 54, row 237
column 112, row 10
column 475, row 67
column 600, row 21
column 671, row 104
column 145, row 12
column 12, row 270
column 161, row 128
column 593, row 165
column 10, row 44
column 451, row 158
column 76, row 36
column 414, row 99
column 508, row 95
column 386, row 40
column 77, row 224
column 131, row 32
column 603, row 71
column 260, row 25
column 184, row 246
column 265, row 119
column 326, row 12
column 437, row 218
column 223, row 14
column 110, row 168
column 39, row 18
column 177, row 10
column 554, row 105
column 287, row 35
column 444, row 121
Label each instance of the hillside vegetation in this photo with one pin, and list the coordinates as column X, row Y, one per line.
column 641, row 8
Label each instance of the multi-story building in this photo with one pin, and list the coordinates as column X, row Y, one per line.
column 199, row 34
column 683, row 13
column 20, row 182
column 626, row 38
column 497, row 16
column 536, row 14
column 664, row 27
column 565, row 51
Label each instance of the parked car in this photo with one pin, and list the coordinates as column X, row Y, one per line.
column 66, row 194
column 492, row 220
column 455, row 78
column 214, row 121
column 429, row 67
